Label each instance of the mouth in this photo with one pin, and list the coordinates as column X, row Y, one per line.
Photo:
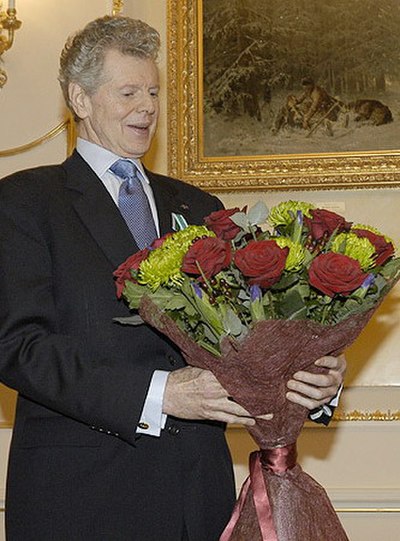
column 139, row 127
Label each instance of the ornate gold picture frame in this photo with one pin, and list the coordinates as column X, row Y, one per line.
column 377, row 168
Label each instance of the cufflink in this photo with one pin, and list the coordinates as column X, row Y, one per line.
column 144, row 426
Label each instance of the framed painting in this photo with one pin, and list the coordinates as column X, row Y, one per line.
column 284, row 95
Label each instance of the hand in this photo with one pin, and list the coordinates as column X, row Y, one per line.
column 315, row 390
column 193, row 393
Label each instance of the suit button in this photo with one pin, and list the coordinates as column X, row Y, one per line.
column 172, row 360
column 174, row 430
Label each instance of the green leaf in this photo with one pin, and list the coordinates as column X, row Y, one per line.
column 209, row 314
column 292, row 304
column 257, row 310
column 133, row 293
column 162, row 296
column 177, row 302
column 286, row 281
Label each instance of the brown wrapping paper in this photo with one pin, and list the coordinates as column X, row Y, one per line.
column 255, row 373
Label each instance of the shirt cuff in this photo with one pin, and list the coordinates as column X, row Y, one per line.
column 152, row 419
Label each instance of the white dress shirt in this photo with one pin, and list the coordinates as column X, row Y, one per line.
column 152, row 419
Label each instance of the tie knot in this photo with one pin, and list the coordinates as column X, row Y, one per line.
column 124, row 169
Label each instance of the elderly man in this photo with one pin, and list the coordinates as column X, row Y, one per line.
column 115, row 438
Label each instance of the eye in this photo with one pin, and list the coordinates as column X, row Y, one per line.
column 154, row 93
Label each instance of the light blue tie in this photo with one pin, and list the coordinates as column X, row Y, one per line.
column 133, row 203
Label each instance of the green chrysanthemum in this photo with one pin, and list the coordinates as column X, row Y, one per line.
column 358, row 248
column 285, row 212
column 296, row 255
column 373, row 230
column 163, row 265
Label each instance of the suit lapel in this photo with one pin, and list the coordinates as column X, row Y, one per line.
column 97, row 210
column 168, row 201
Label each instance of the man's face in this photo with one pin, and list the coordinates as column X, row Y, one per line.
column 122, row 114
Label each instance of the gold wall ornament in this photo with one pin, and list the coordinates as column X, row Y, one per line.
column 67, row 124
column 118, row 6
column 8, row 23
column 186, row 132
column 357, row 415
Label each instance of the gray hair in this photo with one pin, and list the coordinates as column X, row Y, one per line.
column 83, row 55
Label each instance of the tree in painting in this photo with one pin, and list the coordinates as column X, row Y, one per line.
column 258, row 52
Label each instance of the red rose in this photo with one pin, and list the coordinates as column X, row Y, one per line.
column 324, row 222
column 160, row 241
column 384, row 250
column 262, row 261
column 220, row 222
column 334, row 273
column 211, row 254
column 123, row 272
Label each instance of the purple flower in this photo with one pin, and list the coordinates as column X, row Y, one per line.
column 197, row 289
column 299, row 218
column 255, row 293
column 369, row 280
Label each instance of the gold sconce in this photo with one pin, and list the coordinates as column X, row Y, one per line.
column 118, row 6
column 9, row 23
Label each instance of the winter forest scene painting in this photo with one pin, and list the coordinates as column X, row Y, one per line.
column 300, row 76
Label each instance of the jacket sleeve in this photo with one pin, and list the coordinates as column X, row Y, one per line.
column 38, row 357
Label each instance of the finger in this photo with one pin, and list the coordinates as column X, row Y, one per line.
column 265, row 417
column 230, row 407
column 308, row 403
column 317, row 393
column 319, row 380
column 334, row 363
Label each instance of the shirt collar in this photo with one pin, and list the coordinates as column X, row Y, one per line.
column 100, row 159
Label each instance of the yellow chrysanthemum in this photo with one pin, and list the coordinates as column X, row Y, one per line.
column 358, row 248
column 285, row 212
column 163, row 265
column 296, row 255
column 373, row 230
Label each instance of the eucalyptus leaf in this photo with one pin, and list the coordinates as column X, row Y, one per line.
column 129, row 320
column 232, row 323
column 391, row 268
column 241, row 220
column 258, row 214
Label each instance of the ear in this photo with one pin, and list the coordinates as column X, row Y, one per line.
column 79, row 100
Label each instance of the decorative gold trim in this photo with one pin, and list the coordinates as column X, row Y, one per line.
column 380, row 169
column 357, row 415
column 67, row 124
column 367, row 509
column 118, row 6
column 342, row 416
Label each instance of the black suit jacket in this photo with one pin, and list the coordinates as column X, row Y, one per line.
column 77, row 469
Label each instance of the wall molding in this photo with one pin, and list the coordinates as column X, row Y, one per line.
column 365, row 500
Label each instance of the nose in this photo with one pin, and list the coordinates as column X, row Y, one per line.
column 147, row 103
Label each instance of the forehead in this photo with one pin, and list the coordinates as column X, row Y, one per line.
column 127, row 69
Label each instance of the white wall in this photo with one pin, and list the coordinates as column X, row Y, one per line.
column 346, row 458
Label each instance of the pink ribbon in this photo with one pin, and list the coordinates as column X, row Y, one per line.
column 276, row 461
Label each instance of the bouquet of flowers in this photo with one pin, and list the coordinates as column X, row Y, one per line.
column 254, row 297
